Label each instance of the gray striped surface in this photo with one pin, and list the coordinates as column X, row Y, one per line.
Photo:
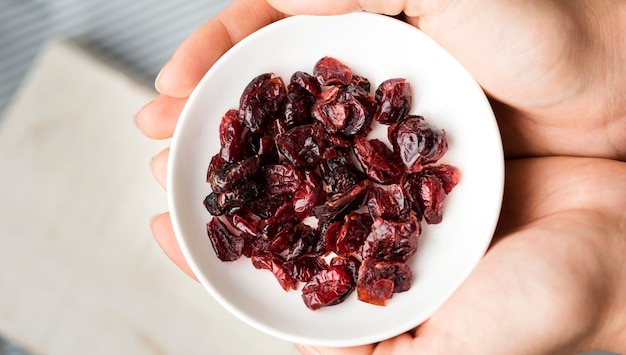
column 137, row 36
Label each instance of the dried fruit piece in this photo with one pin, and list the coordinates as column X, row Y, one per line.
column 394, row 100
column 390, row 203
column 260, row 100
column 308, row 195
column 328, row 287
column 303, row 145
column 274, row 263
column 418, row 142
column 234, row 174
column 232, row 138
column 305, row 267
column 377, row 160
column 219, row 203
column 331, row 71
column 355, row 228
column 432, row 196
column 297, row 108
column 391, row 240
column 227, row 246
column 380, row 279
column 305, row 81
column 449, row 175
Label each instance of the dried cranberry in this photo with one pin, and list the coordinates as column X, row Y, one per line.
column 305, row 242
column 390, row 203
column 350, row 238
column 234, row 174
column 274, row 263
column 340, row 203
column 352, row 263
column 329, row 111
column 432, row 195
column 328, row 287
column 379, row 279
column 394, row 100
column 448, row 175
column 283, row 218
column 302, row 145
column 261, row 99
column 309, row 194
column 227, row 246
column 331, row 71
column 297, row 108
column 232, row 138
column 305, row 267
column 417, row 142
column 338, row 171
column 305, row 81
column 219, row 203
column 281, row 179
column 392, row 240
column 377, row 160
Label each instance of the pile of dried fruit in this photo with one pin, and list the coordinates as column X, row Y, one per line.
column 287, row 155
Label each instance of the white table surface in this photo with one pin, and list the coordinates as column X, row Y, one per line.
column 80, row 272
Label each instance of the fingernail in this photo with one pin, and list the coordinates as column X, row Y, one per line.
column 306, row 349
column 157, row 86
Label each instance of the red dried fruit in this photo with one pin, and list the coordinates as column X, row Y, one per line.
column 234, row 174
column 305, row 267
column 449, row 175
column 305, row 81
column 377, row 160
column 303, row 145
column 352, row 263
column 265, row 147
column 391, row 240
column 394, row 100
column 233, row 138
column 390, row 203
column 219, row 203
column 432, row 196
column 331, row 71
column 350, row 238
column 281, row 179
column 260, row 100
column 274, row 263
column 379, row 280
column 227, row 246
column 341, row 203
column 297, row 108
column 216, row 163
column 308, row 195
column 328, row 287
column 418, row 142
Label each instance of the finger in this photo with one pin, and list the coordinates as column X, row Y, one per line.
column 333, row 7
column 164, row 235
column 158, row 118
column 159, row 167
column 315, row 350
column 203, row 47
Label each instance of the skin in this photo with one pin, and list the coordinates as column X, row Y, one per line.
column 551, row 282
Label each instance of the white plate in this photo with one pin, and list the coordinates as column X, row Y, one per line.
column 378, row 48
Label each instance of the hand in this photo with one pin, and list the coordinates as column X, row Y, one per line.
column 550, row 283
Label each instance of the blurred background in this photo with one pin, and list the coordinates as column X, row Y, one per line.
column 79, row 271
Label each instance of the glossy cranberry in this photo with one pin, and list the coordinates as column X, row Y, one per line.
column 377, row 160
column 302, row 145
column 260, row 100
column 305, row 81
column 418, row 142
column 328, row 287
column 449, row 175
column 391, row 240
column 305, row 267
column 390, row 203
column 331, row 71
column 219, row 203
column 232, row 138
column 227, row 247
column 356, row 227
column 380, row 279
column 394, row 100
column 274, row 263
column 309, row 194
